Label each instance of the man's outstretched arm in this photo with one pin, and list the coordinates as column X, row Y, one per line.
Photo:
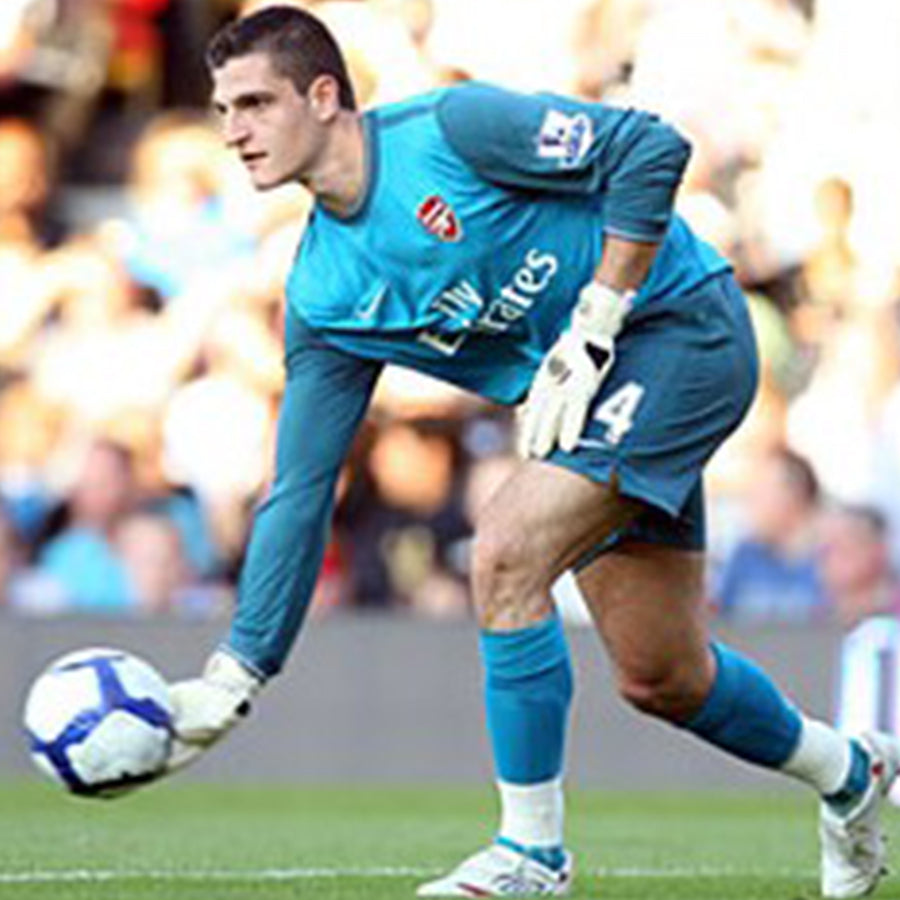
column 325, row 398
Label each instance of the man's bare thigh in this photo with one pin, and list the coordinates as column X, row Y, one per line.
column 537, row 525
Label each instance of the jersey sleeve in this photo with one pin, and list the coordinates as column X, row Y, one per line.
column 326, row 395
column 547, row 143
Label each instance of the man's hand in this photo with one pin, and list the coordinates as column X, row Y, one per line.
column 207, row 708
column 572, row 372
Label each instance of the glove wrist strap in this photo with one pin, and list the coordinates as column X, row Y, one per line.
column 600, row 312
column 223, row 669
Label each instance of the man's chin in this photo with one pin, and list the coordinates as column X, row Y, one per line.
column 265, row 182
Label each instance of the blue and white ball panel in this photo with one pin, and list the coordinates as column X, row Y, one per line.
column 684, row 377
column 98, row 720
column 60, row 693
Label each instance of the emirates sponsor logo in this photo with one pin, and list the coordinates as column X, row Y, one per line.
column 439, row 219
column 461, row 310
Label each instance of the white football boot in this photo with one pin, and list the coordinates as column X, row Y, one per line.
column 853, row 844
column 501, row 871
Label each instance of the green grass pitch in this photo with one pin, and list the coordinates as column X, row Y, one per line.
column 195, row 842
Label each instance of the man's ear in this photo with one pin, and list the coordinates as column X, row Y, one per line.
column 324, row 97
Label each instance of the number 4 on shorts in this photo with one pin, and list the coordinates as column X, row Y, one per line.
column 618, row 409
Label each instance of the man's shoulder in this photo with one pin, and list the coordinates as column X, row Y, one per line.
column 465, row 95
column 389, row 115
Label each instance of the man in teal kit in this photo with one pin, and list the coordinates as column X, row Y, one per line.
column 523, row 247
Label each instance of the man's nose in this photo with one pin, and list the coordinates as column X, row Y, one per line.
column 234, row 130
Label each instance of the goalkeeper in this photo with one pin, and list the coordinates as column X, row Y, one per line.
column 523, row 247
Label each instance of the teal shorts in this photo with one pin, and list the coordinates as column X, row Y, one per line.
column 685, row 375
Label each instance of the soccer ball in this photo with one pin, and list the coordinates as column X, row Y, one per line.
column 99, row 721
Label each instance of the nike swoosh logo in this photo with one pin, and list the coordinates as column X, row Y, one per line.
column 372, row 306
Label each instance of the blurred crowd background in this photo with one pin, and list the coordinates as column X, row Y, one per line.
column 141, row 292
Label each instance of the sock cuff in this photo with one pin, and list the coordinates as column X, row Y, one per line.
column 525, row 652
column 717, row 708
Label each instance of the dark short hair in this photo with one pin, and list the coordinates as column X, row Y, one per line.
column 300, row 46
column 800, row 474
column 867, row 515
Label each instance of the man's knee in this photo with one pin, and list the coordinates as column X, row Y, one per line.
column 673, row 692
column 497, row 551
column 510, row 576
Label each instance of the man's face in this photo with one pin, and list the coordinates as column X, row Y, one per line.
column 853, row 557
column 274, row 129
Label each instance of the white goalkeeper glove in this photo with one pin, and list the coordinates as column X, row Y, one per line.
column 572, row 372
column 207, row 708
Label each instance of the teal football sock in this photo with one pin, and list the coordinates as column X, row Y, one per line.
column 745, row 714
column 528, row 688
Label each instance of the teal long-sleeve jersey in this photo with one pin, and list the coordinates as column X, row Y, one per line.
column 483, row 215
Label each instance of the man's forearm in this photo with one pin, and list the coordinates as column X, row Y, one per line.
column 625, row 263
